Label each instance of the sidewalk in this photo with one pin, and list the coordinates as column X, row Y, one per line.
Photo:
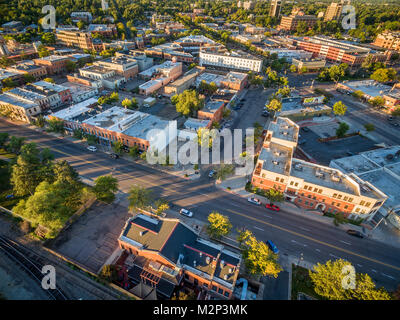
column 383, row 233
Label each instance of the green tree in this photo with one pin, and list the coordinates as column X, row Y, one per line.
column 187, row 102
column 369, row 127
column 342, row 129
column 377, row 101
column 161, row 205
column 274, row 105
column 339, row 108
column 51, row 80
column 48, row 38
column 223, row 171
column 328, row 282
column 384, row 75
column 127, row 103
column 15, row 144
column 139, row 197
column 3, row 139
column 274, row 195
column 43, row 51
column 109, row 273
column 258, row 258
column 117, row 147
column 134, row 151
column 105, row 188
column 358, row 94
column 293, row 68
column 218, row 225
column 70, row 65
column 55, row 125
column 28, row 78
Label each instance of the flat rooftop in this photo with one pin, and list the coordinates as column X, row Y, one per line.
column 276, row 158
column 235, row 77
column 369, row 87
column 71, row 113
column 213, row 106
column 196, row 124
column 76, row 88
column 44, row 85
column 285, row 129
column 8, row 99
column 210, row 77
column 167, row 65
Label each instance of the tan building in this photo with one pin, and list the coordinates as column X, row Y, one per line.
column 53, row 64
column 309, row 185
column 29, row 68
column 309, row 64
column 77, row 39
column 290, row 23
column 275, row 8
column 122, row 65
column 18, row 108
column 388, row 40
column 334, row 11
column 184, row 82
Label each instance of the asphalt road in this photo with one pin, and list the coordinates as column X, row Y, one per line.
column 293, row 234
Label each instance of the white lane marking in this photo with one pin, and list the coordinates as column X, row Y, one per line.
column 386, row 275
column 305, row 229
column 359, row 265
column 318, row 250
column 235, row 205
column 345, row 242
column 373, row 270
column 258, row 228
column 204, row 194
column 301, row 244
column 332, row 255
column 267, row 216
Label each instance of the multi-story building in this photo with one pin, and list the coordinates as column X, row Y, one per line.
column 159, row 75
column 275, row 8
column 108, row 77
column 312, row 64
column 388, row 40
column 123, row 65
column 77, row 39
column 167, row 253
column 80, row 92
column 131, row 128
column 233, row 60
column 58, row 95
column 81, row 15
column 53, row 64
column 338, row 51
column 334, row 11
column 29, row 68
column 309, row 185
column 290, row 23
column 184, row 82
column 105, row 30
column 142, row 60
column 235, row 81
column 213, row 110
column 18, row 109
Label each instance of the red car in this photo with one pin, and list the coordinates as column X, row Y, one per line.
column 272, row 207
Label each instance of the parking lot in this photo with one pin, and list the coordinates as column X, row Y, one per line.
column 324, row 152
column 93, row 237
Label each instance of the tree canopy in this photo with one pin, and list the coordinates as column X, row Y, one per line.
column 218, row 225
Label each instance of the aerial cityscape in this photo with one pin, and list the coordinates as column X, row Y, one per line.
column 203, row 150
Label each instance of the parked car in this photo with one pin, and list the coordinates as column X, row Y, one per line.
column 114, row 155
column 92, row 148
column 272, row 246
column 186, row 213
column 265, row 113
column 211, row 173
column 254, row 201
column 305, row 129
column 272, row 207
column 355, row 233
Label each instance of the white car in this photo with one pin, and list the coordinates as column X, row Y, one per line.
column 91, row 148
column 254, row 201
column 186, row 213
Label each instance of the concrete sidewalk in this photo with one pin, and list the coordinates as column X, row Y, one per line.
column 383, row 233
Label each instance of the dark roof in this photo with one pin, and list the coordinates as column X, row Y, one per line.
column 174, row 245
column 144, row 291
column 228, row 269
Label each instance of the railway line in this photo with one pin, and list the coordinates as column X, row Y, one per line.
column 32, row 262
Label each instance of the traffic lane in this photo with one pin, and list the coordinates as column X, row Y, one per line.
column 201, row 200
column 314, row 253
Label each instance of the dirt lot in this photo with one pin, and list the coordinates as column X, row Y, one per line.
column 93, row 237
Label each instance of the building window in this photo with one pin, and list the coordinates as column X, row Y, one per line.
column 214, row 288
column 296, row 184
column 196, row 282
column 226, row 294
column 368, row 204
column 186, row 276
column 334, row 195
column 282, row 180
column 277, row 179
column 362, row 202
column 291, row 183
column 220, row 291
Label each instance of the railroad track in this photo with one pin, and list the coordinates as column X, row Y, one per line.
column 74, row 278
column 31, row 267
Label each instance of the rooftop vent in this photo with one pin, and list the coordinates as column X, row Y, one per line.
column 335, row 177
column 222, row 263
column 142, row 233
column 225, row 277
column 298, row 167
column 275, row 162
column 208, row 260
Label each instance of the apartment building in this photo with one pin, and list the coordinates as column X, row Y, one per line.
column 388, row 40
column 53, row 64
column 290, row 23
column 309, row 185
column 334, row 11
column 123, row 65
column 230, row 60
column 78, row 39
column 275, row 9
column 166, row 253
column 338, row 51
column 131, row 128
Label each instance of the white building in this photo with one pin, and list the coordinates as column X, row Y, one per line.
column 233, row 60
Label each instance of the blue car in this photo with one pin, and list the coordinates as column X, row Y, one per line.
column 272, row 246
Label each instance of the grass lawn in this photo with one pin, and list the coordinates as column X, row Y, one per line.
column 301, row 282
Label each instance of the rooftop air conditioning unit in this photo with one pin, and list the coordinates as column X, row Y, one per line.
column 225, row 277
column 275, row 162
column 222, row 263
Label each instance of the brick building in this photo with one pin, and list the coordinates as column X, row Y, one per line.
column 309, row 185
column 167, row 253
column 290, row 23
column 388, row 40
column 212, row 110
column 53, row 64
